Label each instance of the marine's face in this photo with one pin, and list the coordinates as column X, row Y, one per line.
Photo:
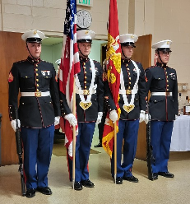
column 127, row 51
column 85, row 48
column 35, row 49
column 164, row 56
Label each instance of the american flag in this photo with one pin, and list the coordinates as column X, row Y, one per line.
column 70, row 65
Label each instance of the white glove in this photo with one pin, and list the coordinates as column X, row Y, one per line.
column 13, row 124
column 146, row 118
column 100, row 114
column 71, row 118
column 142, row 116
column 56, row 120
column 113, row 116
column 176, row 117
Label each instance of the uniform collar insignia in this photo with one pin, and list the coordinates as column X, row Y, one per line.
column 84, row 59
column 126, row 60
column 161, row 64
column 33, row 61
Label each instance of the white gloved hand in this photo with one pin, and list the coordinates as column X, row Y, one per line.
column 146, row 118
column 113, row 116
column 176, row 117
column 71, row 118
column 13, row 124
column 56, row 120
column 142, row 116
column 100, row 114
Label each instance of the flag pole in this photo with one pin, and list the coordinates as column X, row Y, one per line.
column 115, row 151
column 74, row 133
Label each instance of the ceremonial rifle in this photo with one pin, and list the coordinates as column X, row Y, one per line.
column 19, row 152
column 150, row 157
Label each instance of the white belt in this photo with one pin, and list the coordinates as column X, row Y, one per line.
column 128, row 91
column 37, row 94
column 161, row 93
column 85, row 92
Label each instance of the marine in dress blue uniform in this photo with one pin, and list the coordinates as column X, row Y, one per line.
column 89, row 102
column 132, row 103
column 101, row 124
column 163, row 106
column 39, row 110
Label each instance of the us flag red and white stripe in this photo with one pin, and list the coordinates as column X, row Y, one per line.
column 70, row 65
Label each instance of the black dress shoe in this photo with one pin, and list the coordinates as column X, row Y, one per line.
column 44, row 190
column 30, row 192
column 87, row 183
column 155, row 176
column 131, row 179
column 98, row 145
column 119, row 180
column 77, row 186
column 166, row 174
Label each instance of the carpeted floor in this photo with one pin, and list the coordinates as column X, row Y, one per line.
column 59, row 148
column 161, row 191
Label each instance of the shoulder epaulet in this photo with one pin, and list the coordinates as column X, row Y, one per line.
column 96, row 62
column 21, row 61
column 138, row 62
column 46, row 62
column 151, row 67
column 148, row 68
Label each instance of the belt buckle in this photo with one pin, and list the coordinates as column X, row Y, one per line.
column 85, row 92
column 128, row 92
column 167, row 93
column 38, row 94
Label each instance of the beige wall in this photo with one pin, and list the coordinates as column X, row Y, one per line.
column 48, row 16
column 164, row 19
column 22, row 15
column 167, row 19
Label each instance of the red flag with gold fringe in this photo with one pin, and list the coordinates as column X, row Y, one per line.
column 113, row 57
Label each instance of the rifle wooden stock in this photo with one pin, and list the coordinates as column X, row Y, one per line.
column 19, row 152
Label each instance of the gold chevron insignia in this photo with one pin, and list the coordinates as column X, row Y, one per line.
column 85, row 105
column 128, row 108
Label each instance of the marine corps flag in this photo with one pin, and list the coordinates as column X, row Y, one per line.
column 113, row 57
